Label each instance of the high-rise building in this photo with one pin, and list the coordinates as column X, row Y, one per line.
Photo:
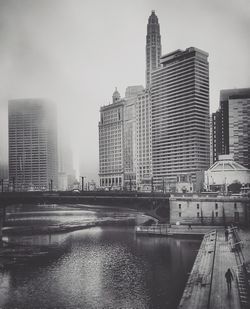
column 32, row 145
column 153, row 47
column 130, row 136
column 143, row 143
column 143, row 106
column 180, row 116
column 111, row 155
column 231, row 126
column 117, row 141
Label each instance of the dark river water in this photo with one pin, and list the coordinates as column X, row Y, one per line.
column 108, row 267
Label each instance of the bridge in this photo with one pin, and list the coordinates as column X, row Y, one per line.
column 154, row 204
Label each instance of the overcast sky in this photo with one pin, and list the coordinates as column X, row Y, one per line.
column 75, row 52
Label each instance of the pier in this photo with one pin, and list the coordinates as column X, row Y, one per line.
column 173, row 230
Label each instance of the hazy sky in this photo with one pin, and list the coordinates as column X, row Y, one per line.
column 75, row 52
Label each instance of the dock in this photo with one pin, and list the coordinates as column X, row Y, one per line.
column 174, row 230
column 206, row 287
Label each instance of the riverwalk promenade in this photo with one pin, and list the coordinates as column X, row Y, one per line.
column 206, row 287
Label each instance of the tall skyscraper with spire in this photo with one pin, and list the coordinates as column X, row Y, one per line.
column 153, row 47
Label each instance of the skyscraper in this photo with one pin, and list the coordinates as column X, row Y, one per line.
column 231, row 126
column 180, row 115
column 117, row 141
column 143, row 141
column 129, row 136
column 32, row 144
column 143, row 106
column 111, row 154
column 153, row 47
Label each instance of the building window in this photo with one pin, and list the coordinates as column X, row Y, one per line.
column 198, row 206
column 179, row 206
column 235, row 205
column 198, row 214
column 216, row 206
column 179, row 214
column 216, row 214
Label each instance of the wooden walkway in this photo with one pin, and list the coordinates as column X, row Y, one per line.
column 224, row 259
column 206, row 287
column 196, row 293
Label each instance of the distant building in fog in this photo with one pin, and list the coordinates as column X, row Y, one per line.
column 180, row 116
column 3, row 170
column 230, row 125
column 66, row 172
column 32, row 144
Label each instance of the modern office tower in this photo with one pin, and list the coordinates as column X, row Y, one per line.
column 211, row 140
column 214, row 150
column 153, row 47
column 231, row 126
column 144, row 155
column 180, row 116
column 111, row 171
column 130, row 136
column 32, row 145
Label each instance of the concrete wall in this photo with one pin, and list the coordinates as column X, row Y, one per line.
column 209, row 210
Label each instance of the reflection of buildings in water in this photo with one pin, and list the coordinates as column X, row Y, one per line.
column 185, row 252
column 38, row 240
column 4, row 288
column 179, row 253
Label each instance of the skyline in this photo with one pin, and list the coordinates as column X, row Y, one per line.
column 66, row 51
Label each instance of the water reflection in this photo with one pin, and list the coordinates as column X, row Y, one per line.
column 64, row 214
column 103, row 268
column 37, row 240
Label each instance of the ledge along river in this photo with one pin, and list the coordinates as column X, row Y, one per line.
column 100, row 267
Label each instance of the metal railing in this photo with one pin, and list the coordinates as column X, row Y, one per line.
column 241, row 272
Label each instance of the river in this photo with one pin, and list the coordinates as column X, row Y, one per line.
column 101, row 267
